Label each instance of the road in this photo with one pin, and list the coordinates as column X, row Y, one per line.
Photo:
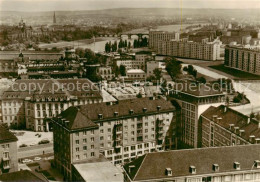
column 35, row 150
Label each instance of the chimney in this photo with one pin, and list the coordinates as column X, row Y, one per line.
column 257, row 164
column 152, row 98
column 248, row 120
column 219, row 119
column 130, row 168
column 214, row 118
column 225, row 109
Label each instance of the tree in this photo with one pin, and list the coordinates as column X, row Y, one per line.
column 202, row 80
column 158, row 73
column 80, row 52
column 173, row 67
column 139, row 95
column 122, row 70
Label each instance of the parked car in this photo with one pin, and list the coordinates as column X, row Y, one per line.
column 23, row 145
column 37, row 158
column 27, row 161
column 44, row 141
column 32, row 144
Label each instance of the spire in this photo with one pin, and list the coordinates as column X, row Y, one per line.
column 54, row 18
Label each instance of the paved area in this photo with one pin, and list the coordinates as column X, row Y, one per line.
column 26, row 152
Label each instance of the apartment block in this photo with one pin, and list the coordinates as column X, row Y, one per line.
column 223, row 126
column 156, row 36
column 27, row 103
column 8, row 151
column 244, row 58
column 219, row 164
column 189, row 49
column 193, row 100
column 119, row 131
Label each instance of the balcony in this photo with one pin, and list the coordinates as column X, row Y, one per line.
column 6, row 167
column 6, row 158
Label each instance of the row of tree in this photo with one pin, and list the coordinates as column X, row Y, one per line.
column 143, row 42
column 109, row 47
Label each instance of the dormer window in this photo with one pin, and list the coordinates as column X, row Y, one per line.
column 237, row 165
column 131, row 111
column 215, row 167
column 144, row 109
column 168, row 171
column 115, row 114
column 257, row 164
column 158, row 108
column 192, row 169
column 100, row 116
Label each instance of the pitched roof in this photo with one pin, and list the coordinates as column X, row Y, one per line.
column 77, row 119
column 84, row 116
column 230, row 116
column 6, row 135
column 153, row 165
column 23, row 175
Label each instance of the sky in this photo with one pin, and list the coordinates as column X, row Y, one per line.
column 72, row 5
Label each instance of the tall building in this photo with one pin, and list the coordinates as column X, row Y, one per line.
column 54, row 18
column 219, row 164
column 223, row 126
column 244, row 58
column 8, row 151
column 188, row 49
column 27, row 103
column 193, row 99
column 156, row 36
column 120, row 131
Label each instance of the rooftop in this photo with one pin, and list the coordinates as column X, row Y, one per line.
column 235, row 118
column 84, row 116
column 135, row 71
column 6, row 135
column 153, row 165
column 24, row 175
column 99, row 171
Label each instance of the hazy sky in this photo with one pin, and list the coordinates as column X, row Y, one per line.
column 50, row 5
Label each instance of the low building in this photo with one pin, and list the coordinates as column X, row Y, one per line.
column 152, row 65
column 105, row 72
column 135, row 74
column 8, row 151
column 95, row 171
column 222, row 164
column 120, row 131
column 223, row 126
column 27, row 103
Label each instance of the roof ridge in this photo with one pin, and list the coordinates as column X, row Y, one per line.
column 139, row 167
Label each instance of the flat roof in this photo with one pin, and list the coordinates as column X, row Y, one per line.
column 99, row 172
column 135, row 71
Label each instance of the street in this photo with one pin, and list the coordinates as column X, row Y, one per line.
column 35, row 150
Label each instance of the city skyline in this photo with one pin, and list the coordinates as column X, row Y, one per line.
column 79, row 5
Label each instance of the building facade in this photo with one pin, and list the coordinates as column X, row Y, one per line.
column 8, row 151
column 156, row 36
column 244, row 58
column 189, row 49
column 223, row 126
column 135, row 74
column 120, row 131
column 106, row 72
column 27, row 103
column 193, row 103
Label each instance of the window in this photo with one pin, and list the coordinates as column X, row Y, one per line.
column 92, row 132
column 101, row 138
column 109, row 137
column 92, row 139
column 132, row 147
column 84, row 148
column 92, row 146
column 77, row 134
column 85, row 156
column 102, row 131
column 92, row 154
column 84, row 140
column 77, row 149
column 101, row 124
column 84, row 133
column 77, row 142
column 109, row 130
column 77, row 157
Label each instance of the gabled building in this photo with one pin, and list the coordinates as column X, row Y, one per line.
column 120, row 131
column 223, row 126
column 222, row 164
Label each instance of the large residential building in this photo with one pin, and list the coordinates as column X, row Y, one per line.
column 189, row 49
column 223, row 126
column 29, row 102
column 156, row 36
column 221, row 164
column 8, row 151
column 193, row 99
column 244, row 58
column 120, row 131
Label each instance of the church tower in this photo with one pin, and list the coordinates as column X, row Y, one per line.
column 54, row 18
